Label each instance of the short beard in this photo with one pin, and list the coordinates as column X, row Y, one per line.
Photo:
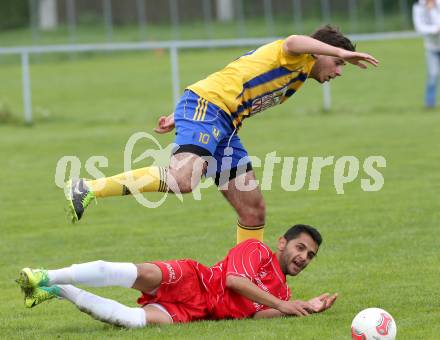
column 285, row 264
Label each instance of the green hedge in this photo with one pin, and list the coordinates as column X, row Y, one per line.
column 14, row 14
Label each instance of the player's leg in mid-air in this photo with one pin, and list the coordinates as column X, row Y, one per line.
column 182, row 175
column 198, row 129
column 41, row 285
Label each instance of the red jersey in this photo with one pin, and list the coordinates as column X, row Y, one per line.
column 251, row 259
column 191, row 291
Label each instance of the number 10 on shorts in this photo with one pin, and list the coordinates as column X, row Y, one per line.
column 204, row 138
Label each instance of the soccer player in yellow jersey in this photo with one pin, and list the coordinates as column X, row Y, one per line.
column 211, row 112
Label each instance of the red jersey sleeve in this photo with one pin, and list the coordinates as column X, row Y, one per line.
column 247, row 258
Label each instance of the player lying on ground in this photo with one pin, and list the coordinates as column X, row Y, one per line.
column 209, row 115
column 249, row 282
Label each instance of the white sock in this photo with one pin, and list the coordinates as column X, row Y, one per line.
column 96, row 274
column 103, row 309
column 69, row 292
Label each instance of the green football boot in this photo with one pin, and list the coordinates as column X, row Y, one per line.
column 32, row 278
column 40, row 294
column 79, row 197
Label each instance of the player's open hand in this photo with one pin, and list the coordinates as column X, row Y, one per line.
column 297, row 308
column 165, row 124
column 359, row 59
column 322, row 302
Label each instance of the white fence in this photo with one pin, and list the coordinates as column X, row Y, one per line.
column 172, row 46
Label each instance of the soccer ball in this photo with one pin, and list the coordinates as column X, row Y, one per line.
column 373, row 324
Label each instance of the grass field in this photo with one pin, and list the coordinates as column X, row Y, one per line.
column 380, row 248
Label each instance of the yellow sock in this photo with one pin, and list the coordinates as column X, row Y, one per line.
column 151, row 179
column 244, row 233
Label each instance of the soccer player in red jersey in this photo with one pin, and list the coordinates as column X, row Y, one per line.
column 249, row 282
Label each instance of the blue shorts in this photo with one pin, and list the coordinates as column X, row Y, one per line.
column 206, row 130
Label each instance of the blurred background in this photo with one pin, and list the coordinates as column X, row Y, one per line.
column 77, row 21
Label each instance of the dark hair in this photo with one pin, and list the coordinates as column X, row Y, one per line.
column 298, row 229
column 332, row 35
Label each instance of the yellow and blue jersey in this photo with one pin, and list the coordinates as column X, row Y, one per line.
column 256, row 81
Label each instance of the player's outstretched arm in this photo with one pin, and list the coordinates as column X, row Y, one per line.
column 319, row 304
column 246, row 288
column 300, row 44
column 165, row 124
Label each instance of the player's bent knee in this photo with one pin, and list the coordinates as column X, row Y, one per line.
column 182, row 181
column 185, row 187
column 149, row 272
column 149, row 277
column 184, row 172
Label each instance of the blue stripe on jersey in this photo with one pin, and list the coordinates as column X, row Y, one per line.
column 301, row 77
column 266, row 77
